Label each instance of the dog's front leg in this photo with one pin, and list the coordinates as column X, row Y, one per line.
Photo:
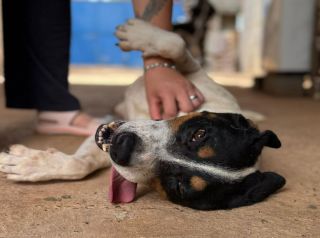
column 137, row 34
column 25, row 164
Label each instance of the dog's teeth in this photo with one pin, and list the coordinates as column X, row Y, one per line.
column 105, row 147
column 111, row 124
column 100, row 134
column 102, row 130
column 104, row 127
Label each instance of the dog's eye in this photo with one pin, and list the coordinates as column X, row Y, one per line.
column 199, row 134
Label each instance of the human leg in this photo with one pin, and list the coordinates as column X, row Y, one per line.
column 36, row 49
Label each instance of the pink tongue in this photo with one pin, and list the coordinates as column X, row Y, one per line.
column 121, row 190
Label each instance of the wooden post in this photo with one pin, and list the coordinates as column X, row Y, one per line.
column 316, row 53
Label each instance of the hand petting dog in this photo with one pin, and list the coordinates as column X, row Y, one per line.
column 168, row 93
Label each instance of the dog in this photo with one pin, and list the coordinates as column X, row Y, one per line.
column 204, row 160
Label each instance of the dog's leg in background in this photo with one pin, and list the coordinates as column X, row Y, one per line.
column 153, row 41
column 24, row 164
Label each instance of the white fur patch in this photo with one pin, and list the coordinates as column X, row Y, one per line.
column 224, row 173
column 154, row 136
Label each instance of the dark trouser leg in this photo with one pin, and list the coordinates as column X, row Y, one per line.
column 36, row 54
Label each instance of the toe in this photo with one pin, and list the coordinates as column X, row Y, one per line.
column 131, row 21
column 7, row 159
column 17, row 150
column 16, row 177
column 121, row 35
column 121, row 28
column 6, row 169
column 124, row 45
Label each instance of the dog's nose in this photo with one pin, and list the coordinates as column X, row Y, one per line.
column 122, row 146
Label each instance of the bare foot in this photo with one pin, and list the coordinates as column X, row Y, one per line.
column 70, row 122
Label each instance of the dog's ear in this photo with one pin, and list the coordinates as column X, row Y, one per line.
column 257, row 187
column 266, row 138
column 270, row 139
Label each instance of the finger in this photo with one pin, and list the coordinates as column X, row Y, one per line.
column 185, row 104
column 198, row 101
column 200, row 96
column 169, row 107
column 155, row 109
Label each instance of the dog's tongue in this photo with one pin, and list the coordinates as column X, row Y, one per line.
column 121, row 190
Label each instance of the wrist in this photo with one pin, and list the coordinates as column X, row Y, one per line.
column 156, row 59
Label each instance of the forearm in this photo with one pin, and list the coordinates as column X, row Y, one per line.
column 158, row 13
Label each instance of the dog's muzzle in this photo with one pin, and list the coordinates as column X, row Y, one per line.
column 119, row 145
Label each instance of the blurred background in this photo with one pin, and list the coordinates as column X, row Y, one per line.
column 265, row 44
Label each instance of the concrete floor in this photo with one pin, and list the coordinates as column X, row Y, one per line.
column 81, row 209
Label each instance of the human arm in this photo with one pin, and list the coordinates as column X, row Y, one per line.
column 168, row 92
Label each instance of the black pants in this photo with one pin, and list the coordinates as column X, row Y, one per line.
column 36, row 54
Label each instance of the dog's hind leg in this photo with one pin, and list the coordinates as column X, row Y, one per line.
column 137, row 34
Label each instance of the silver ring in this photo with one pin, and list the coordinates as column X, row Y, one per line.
column 193, row 97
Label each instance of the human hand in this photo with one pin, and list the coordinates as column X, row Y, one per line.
column 168, row 92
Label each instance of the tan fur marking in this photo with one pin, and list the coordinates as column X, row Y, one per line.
column 198, row 183
column 212, row 115
column 206, row 152
column 177, row 122
column 156, row 185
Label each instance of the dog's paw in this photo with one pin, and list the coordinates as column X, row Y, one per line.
column 136, row 34
column 21, row 150
column 23, row 164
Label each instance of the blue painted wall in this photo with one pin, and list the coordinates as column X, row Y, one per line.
column 93, row 24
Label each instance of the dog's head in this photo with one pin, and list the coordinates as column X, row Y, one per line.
column 201, row 160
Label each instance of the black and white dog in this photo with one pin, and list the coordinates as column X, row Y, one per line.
column 204, row 160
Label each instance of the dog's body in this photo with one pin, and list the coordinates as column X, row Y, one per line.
column 24, row 164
